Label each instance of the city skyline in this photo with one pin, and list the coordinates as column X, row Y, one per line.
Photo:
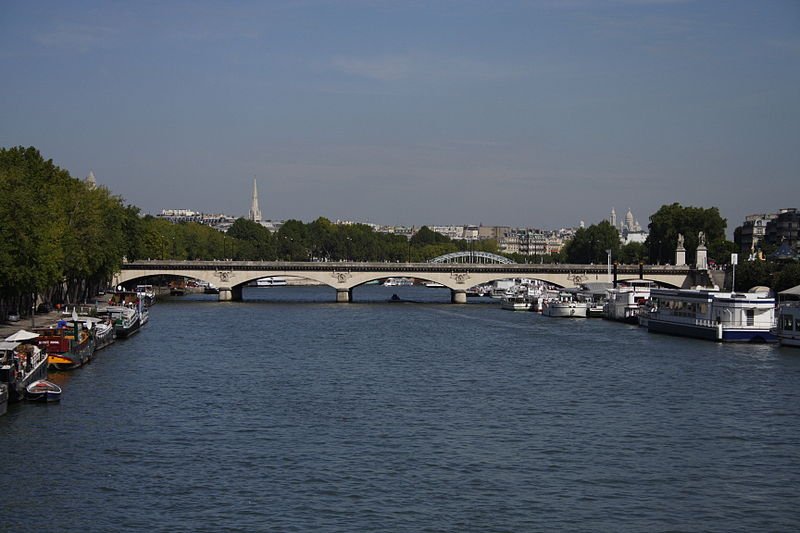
column 535, row 114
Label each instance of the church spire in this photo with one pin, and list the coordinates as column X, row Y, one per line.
column 255, row 212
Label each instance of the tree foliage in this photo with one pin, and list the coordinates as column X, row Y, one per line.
column 591, row 245
column 670, row 220
column 59, row 238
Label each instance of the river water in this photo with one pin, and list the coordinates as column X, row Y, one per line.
column 298, row 414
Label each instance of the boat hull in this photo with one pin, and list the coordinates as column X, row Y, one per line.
column 561, row 310
column 711, row 333
column 3, row 398
column 76, row 357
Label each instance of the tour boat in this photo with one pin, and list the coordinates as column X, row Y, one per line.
column 713, row 315
column 43, row 391
column 21, row 363
column 398, row 282
column 272, row 281
column 788, row 324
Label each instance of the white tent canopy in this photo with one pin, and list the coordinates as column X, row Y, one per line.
column 22, row 335
column 794, row 292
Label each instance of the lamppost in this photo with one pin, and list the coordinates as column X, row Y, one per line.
column 608, row 251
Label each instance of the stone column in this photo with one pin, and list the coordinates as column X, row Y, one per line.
column 680, row 256
column 702, row 257
column 458, row 297
column 680, row 252
column 344, row 296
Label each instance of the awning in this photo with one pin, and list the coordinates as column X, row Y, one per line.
column 794, row 291
column 22, row 335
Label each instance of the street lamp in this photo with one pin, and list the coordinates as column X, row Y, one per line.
column 608, row 251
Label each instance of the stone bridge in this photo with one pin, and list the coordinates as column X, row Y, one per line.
column 231, row 276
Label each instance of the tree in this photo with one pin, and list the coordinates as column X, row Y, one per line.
column 590, row 245
column 292, row 241
column 670, row 220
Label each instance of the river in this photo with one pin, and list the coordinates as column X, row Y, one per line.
column 294, row 413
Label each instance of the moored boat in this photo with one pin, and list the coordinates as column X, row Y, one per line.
column 147, row 294
column 565, row 306
column 3, row 398
column 625, row 301
column 68, row 345
column 712, row 315
column 43, row 391
column 125, row 318
column 788, row 324
column 516, row 302
column 21, row 363
column 787, row 327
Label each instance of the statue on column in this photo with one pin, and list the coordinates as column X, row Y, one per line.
column 680, row 241
column 701, row 239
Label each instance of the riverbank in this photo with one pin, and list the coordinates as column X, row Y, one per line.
column 44, row 319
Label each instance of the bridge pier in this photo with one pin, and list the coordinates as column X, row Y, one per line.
column 458, row 297
column 230, row 294
column 344, row 296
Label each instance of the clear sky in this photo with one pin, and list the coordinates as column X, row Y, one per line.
column 539, row 113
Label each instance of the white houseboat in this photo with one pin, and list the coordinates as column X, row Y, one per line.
column 713, row 315
column 788, row 324
column 564, row 306
column 623, row 302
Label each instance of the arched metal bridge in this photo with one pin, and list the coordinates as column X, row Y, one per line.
column 472, row 258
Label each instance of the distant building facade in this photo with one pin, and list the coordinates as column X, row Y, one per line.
column 219, row 222
column 629, row 230
column 784, row 227
column 754, row 231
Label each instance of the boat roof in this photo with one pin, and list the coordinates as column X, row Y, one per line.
column 6, row 345
column 794, row 291
column 22, row 335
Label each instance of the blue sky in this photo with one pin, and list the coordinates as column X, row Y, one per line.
column 539, row 113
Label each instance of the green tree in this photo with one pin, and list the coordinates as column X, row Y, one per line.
column 590, row 245
column 292, row 241
column 670, row 220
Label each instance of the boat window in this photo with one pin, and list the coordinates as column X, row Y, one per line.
column 797, row 325
column 750, row 317
column 787, row 322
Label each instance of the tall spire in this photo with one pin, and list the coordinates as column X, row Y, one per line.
column 91, row 181
column 255, row 212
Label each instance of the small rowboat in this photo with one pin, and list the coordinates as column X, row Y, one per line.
column 43, row 391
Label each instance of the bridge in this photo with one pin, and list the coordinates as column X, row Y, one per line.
column 231, row 276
